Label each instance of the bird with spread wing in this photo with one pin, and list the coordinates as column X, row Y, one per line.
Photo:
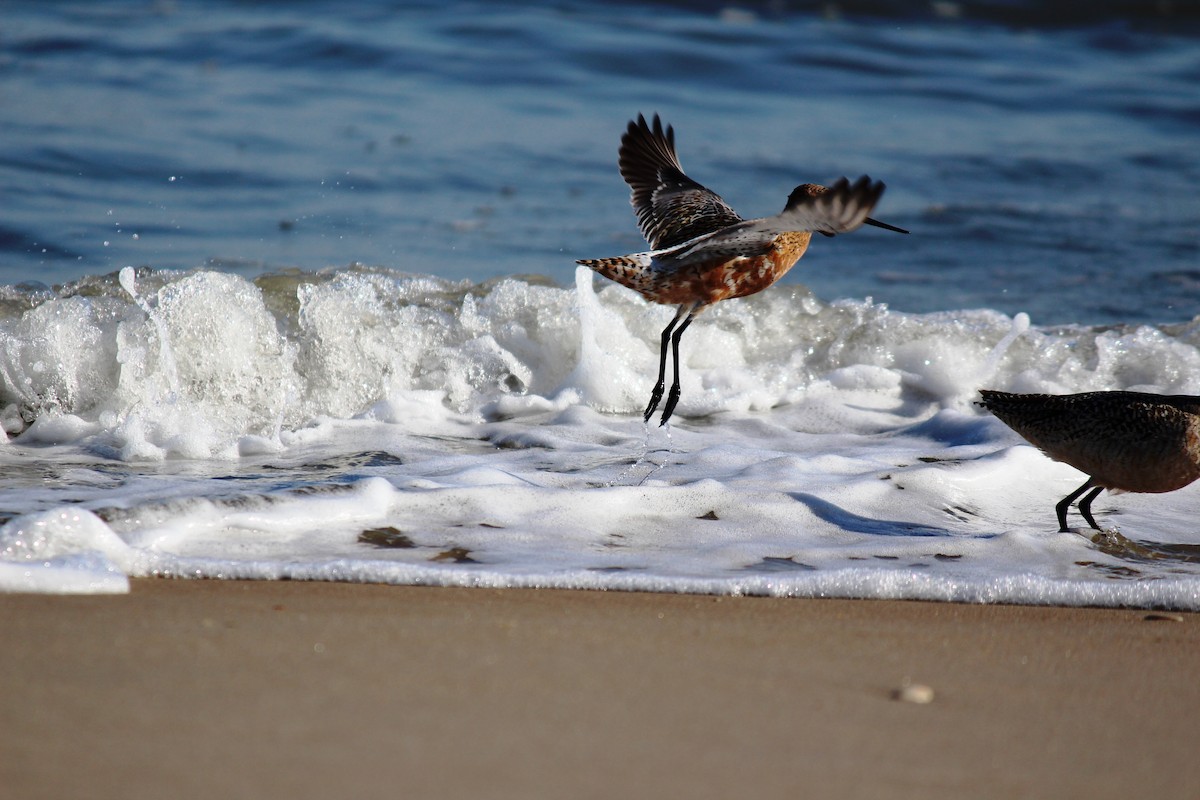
column 702, row 251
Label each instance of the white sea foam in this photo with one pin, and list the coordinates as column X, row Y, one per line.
column 370, row 426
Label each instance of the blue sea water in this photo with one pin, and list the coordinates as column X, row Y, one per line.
column 274, row 276
column 1045, row 166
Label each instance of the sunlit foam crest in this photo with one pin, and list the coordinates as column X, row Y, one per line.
column 207, row 364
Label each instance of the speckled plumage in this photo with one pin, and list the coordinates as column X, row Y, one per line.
column 671, row 208
column 1127, row 441
column 703, row 251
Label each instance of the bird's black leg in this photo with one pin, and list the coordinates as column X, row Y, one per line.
column 656, row 394
column 673, row 397
column 1085, row 506
column 1065, row 504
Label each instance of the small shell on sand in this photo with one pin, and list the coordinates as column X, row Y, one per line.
column 917, row 693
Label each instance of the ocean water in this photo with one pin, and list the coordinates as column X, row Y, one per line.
column 287, row 291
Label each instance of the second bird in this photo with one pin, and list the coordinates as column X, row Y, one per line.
column 702, row 251
column 1124, row 441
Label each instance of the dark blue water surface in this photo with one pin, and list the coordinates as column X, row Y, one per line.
column 1045, row 163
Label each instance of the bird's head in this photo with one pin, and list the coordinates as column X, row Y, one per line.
column 803, row 193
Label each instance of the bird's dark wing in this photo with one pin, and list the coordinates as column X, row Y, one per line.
column 671, row 208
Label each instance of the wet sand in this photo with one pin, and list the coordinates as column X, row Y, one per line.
column 297, row 690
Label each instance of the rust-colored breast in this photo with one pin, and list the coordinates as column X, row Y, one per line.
column 730, row 277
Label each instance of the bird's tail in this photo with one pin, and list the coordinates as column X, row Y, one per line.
column 632, row 270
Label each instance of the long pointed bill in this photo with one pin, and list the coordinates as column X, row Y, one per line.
column 884, row 225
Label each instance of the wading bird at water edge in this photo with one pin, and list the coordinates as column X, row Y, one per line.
column 1123, row 441
column 702, row 252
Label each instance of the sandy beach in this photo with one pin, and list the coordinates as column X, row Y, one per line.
column 278, row 689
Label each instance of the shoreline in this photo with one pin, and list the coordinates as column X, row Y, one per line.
column 314, row 689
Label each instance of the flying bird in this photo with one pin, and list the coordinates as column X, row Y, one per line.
column 1123, row 441
column 702, row 251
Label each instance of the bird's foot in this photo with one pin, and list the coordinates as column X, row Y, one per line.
column 655, row 397
column 669, row 409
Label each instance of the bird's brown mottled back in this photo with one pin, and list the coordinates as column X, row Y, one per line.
column 1132, row 441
